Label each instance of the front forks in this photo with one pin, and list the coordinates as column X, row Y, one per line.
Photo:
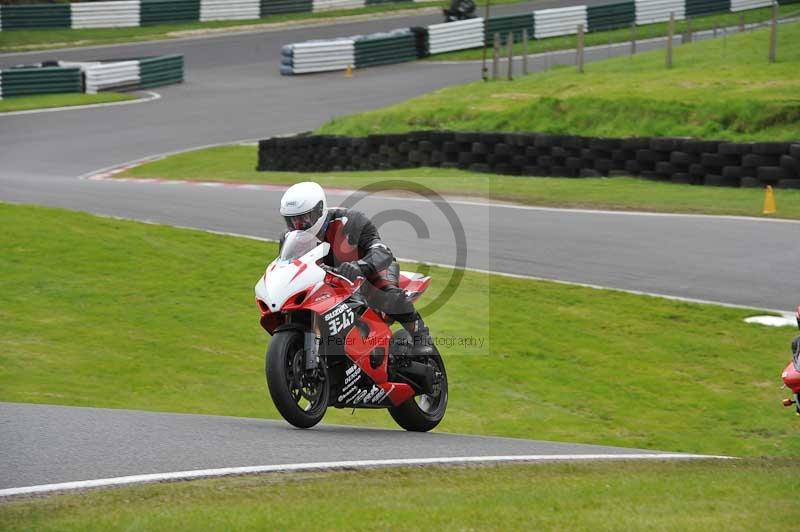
column 311, row 342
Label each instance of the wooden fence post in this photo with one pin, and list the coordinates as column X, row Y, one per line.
column 773, row 33
column 670, row 34
column 495, row 56
column 511, row 56
column 524, row 52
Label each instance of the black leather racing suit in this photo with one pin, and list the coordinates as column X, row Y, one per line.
column 354, row 238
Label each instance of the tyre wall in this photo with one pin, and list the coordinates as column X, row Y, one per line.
column 677, row 160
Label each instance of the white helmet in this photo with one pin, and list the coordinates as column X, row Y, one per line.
column 304, row 207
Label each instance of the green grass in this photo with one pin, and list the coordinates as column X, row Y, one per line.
column 747, row 495
column 108, row 313
column 717, row 89
column 237, row 164
column 21, row 40
column 44, row 101
column 600, row 38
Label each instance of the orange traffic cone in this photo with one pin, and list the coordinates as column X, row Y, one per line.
column 769, row 201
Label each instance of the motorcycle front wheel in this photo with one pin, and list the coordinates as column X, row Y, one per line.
column 300, row 396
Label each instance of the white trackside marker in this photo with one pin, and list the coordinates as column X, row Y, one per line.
column 349, row 464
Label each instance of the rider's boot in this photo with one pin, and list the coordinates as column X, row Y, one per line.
column 421, row 341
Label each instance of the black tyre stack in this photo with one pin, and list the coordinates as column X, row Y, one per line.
column 676, row 160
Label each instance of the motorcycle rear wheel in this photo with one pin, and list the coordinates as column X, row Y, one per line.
column 301, row 398
column 423, row 412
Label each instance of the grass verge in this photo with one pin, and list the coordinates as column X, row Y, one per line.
column 237, row 163
column 730, row 495
column 720, row 89
column 44, row 101
column 119, row 314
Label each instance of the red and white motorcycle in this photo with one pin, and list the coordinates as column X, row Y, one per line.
column 791, row 374
column 329, row 348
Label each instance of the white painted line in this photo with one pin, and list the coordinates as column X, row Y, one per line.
column 349, row 464
column 784, row 313
column 151, row 96
column 106, row 175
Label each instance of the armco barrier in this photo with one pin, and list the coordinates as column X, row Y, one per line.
column 35, row 16
column 385, row 48
column 677, row 160
column 330, row 5
column 549, row 22
column 169, row 11
column 699, row 8
column 114, row 14
column 509, row 24
column 114, row 75
column 451, row 36
column 742, row 5
column 93, row 76
column 275, row 7
column 49, row 80
column 318, row 56
column 159, row 71
column 652, row 11
column 131, row 13
column 560, row 21
column 610, row 16
column 230, row 9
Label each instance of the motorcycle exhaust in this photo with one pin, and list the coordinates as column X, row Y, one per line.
column 421, row 377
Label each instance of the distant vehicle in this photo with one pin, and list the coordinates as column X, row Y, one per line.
column 329, row 348
column 791, row 375
column 459, row 10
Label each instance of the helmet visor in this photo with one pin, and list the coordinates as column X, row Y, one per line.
column 305, row 221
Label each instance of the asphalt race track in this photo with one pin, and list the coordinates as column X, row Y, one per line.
column 233, row 92
column 43, row 444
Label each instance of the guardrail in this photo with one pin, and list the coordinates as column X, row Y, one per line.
column 611, row 16
column 132, row 13
column 92, row 76
column 652, row 11
column 318, row 56
column 385, row 48
column 117, row 14
column 39, row 80
column 679, row 160
column 451, row 36
column 514, row 24
column 542, row 24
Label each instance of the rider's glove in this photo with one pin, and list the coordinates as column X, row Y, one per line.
column 350, row 271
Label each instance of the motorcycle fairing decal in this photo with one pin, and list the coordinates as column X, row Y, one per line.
column 359, row 347
column 360, row 390
column 339, row 318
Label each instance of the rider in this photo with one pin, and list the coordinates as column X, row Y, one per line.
column 356, row 250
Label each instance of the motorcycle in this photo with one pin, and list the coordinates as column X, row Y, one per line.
column 459, row 10
column 329, row 348
column 791, row 375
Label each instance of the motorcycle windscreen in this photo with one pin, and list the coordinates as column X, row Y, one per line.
column 297, row 244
